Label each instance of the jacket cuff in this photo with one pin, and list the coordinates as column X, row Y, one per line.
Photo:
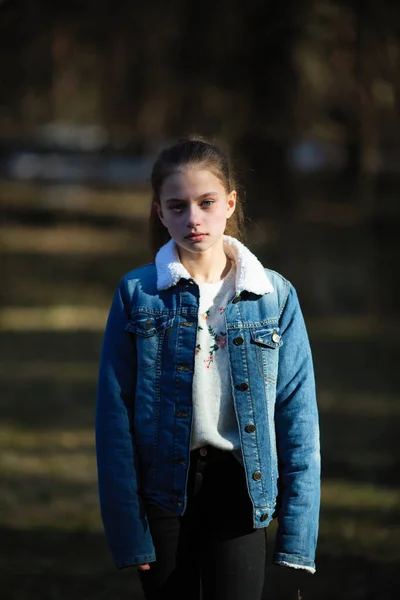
column 295, row 562
column 135, row 561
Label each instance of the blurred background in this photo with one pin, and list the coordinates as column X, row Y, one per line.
column 306, row 94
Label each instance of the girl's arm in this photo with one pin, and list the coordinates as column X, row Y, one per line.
column 122, row 511
column 298, row 444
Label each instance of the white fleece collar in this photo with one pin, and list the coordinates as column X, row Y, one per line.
column 250, row 274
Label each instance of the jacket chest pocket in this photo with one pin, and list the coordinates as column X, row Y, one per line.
column 266, row 343
column 150, row 332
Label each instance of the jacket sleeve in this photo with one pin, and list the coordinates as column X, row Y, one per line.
column 298, row 444
column 122, row 511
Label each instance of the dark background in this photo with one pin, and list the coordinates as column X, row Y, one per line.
column 306, row 94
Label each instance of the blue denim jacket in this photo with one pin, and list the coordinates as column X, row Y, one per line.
column 144, row 409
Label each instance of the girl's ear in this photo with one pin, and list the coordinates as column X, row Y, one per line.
column 231, row 203
column 158, row 209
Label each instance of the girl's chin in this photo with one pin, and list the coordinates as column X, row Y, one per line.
column 198, row 246
column 193, row 248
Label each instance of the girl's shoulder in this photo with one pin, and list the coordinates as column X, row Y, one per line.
column 285, row 293
column 277, row 278
column 281, row 288
column 146, row 271
column 143, row 277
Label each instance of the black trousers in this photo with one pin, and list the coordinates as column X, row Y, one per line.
column 211, row 552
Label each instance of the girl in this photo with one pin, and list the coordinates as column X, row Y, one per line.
column 206, row 418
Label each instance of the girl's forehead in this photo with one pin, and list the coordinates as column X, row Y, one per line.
column 191, row 180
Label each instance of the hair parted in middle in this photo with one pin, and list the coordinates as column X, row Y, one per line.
column 189, row 152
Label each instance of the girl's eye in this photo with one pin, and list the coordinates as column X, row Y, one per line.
column 207, row 203
column 177, row 208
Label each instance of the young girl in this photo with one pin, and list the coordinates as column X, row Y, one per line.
column 206, row 418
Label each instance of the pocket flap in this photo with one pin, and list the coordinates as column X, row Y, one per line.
column 146, row 325
column 267, row 337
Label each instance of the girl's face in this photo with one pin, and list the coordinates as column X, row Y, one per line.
column 194, row 207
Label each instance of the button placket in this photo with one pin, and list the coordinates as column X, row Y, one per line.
column 181, row 414
column 250, row 428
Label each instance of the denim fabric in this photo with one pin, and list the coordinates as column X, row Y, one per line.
column 144, row 411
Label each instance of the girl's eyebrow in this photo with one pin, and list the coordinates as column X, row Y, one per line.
column 206, row 195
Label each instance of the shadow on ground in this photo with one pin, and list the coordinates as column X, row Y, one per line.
column 41, row 565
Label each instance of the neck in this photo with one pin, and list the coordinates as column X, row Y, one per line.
column 206, row 267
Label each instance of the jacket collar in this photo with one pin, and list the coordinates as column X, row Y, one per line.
column 250, row 274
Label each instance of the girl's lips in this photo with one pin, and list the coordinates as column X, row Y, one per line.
column 196, row 237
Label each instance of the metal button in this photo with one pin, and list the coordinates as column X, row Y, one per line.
column 264, row 517
column 243, row 387
column 203, row 451
column 257, row 475
column 250, row 428
column 276, row 337
column 238, row 341
column 236, row 300
column 148, row 324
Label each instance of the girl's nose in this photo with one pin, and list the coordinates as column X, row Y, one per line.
column 193, row 216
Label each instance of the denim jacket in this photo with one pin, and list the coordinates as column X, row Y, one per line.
column 144, row 404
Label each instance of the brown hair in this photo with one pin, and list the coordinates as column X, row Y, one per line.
column 188, row 152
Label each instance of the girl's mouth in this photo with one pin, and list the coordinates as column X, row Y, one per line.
column 196, row 237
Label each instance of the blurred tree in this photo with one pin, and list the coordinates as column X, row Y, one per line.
column 259, row 76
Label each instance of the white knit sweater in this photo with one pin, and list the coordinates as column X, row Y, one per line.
column 214, row 418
